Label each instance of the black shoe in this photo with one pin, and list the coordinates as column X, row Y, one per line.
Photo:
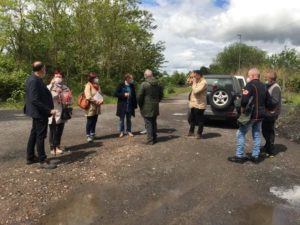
column 236, row 159
column 149, row 143
column 47, row 165
column 32, row 161
column 255, row 160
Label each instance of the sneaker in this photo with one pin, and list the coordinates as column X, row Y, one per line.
column 191, row 134
column 149, row 143
column 47, row 165
column 121, row 134
column 271, row 156
column 130, row 134
column 89, row 139
column 32, row 161
column 236, row 159
column 57, row 152
column 143, row 132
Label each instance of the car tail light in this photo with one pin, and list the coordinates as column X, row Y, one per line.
column 231, row 114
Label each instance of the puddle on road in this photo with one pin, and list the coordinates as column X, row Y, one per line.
column 179, row 114
column 292, row 195
column 260, row 214
column 93, row 205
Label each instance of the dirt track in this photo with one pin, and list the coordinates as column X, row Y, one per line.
column 121, row 181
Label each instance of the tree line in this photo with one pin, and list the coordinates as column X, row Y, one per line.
column 238, row 58
column 77, row 36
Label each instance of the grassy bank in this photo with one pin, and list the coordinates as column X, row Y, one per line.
column 292, row 98
column 172, row 91
column 168, row 92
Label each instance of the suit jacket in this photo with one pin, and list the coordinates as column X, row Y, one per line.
column 39, row 101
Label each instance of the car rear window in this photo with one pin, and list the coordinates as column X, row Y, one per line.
column 214, row 83
column 242, row 84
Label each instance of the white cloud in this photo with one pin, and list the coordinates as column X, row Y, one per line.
column 195, row 31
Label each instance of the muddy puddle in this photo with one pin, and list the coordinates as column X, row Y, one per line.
column 93, row 205
column 261, row 214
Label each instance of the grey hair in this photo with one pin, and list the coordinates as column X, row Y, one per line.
column 255, row 72
column 148, row 73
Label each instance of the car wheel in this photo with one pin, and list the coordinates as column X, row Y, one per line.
column 220, row 98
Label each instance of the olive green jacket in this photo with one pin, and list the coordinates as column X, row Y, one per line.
column 149, row 96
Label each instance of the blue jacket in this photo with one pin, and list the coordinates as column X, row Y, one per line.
column 123, row 105
column 39, row 101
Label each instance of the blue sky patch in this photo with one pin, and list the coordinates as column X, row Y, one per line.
column 221, row 3
column 149, row 2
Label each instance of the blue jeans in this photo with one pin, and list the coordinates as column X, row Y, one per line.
column 91, row 125
column 128, row 122
column 241, row 133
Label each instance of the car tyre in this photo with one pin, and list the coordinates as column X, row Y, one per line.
column 220, row 99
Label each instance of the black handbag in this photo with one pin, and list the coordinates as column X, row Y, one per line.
column 66, row 113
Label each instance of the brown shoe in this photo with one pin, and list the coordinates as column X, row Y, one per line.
column 199, row 136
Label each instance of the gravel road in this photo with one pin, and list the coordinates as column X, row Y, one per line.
column 118, row 181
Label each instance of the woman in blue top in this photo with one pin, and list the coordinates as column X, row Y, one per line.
column 127, row 104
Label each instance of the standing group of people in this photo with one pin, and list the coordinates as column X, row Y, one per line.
column 52, row 104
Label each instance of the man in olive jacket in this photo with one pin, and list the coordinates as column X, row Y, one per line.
column 149, row 96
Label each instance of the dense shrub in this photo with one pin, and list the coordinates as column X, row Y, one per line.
column 12, row 86
column 293, row 84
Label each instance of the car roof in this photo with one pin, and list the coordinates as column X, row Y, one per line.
column 218, row 76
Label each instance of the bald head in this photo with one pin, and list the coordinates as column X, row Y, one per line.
column 148, row 73
column 253, row 74
column 38, row 68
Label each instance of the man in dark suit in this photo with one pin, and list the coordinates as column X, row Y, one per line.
column 39, row 106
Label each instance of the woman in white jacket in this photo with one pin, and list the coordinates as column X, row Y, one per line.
column 62, row 98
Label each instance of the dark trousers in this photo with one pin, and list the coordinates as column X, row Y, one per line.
column 268, row 131
column 197, row 119
column 151, row 127
column 128, row 122
column 56, row 131
column 37, row 137
column 91, row 125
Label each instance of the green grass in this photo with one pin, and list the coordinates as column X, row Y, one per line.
column 110, row 100
column 172, row 91
column 168, row 92
column 292, row 98
column 8, row 105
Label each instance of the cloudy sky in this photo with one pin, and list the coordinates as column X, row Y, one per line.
column 194, row 31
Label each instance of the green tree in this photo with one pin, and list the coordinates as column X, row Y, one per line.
column 228, row 60
column 287, row 61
